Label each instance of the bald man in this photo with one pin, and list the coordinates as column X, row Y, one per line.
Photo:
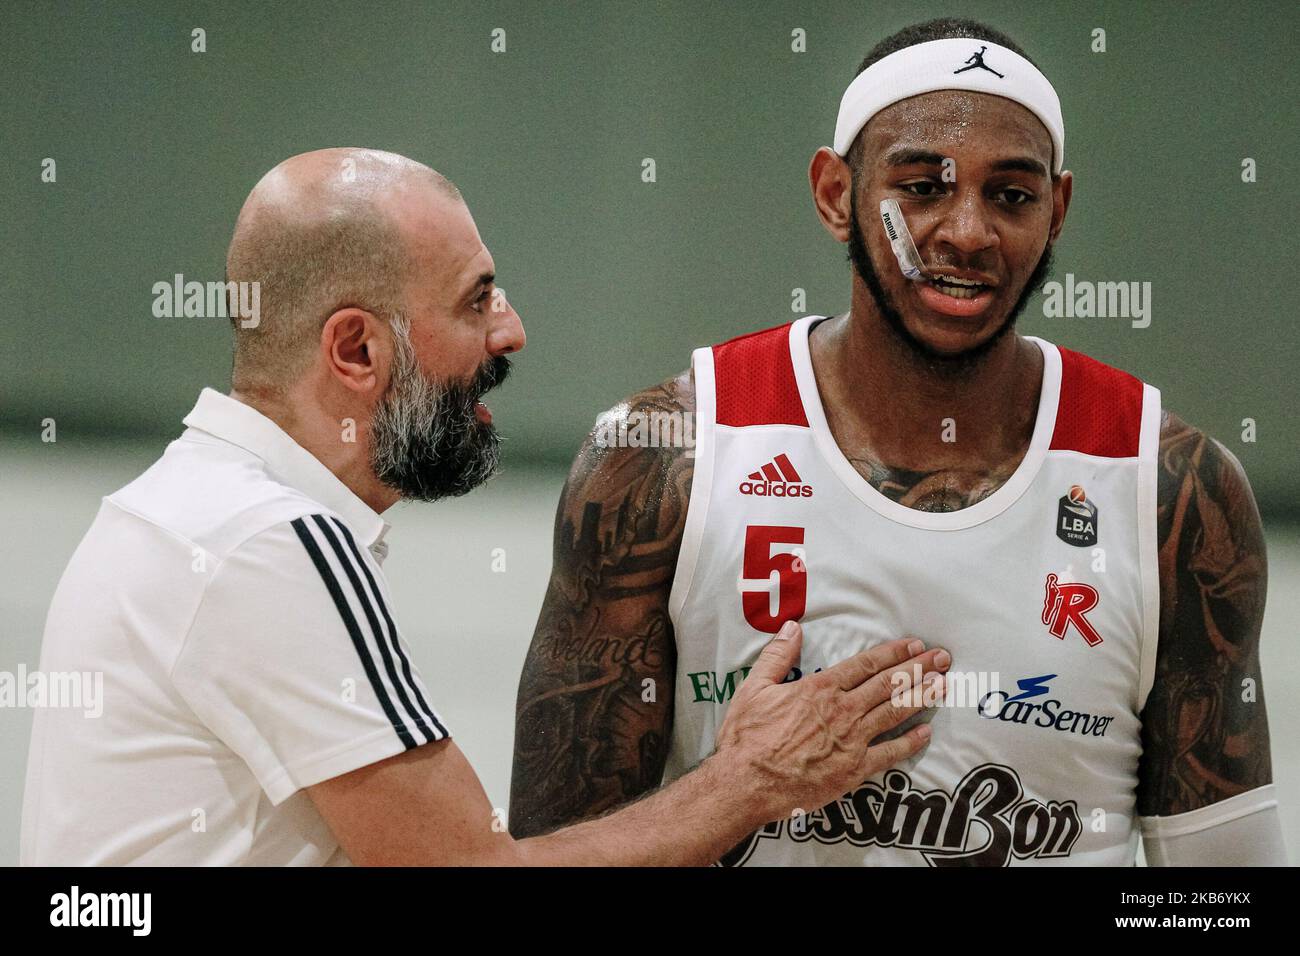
column 260, row 705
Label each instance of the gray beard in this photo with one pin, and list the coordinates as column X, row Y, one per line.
column 426, row 441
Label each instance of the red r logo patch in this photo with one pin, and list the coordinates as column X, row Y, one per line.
column 1066, row 604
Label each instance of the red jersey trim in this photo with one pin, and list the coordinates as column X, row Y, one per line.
column 755, row 380
column 1100, row 411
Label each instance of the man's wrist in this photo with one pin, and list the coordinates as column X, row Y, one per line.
column 734, row 780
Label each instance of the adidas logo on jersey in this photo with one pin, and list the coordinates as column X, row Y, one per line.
column 776, row 479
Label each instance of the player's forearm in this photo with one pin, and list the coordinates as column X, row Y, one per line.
column 594, row 711
column 691, row 822
column 579, row 751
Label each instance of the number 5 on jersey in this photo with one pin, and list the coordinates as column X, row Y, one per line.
column 792, row 577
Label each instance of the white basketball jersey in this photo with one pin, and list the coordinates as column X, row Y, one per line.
column 1046, row 593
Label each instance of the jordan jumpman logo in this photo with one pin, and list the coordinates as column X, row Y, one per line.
column 976, row 62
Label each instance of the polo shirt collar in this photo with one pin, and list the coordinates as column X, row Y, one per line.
column 231, row 420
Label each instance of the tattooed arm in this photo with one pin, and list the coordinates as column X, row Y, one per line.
column 1204, row 730
column 594, row 714
column 595, row 701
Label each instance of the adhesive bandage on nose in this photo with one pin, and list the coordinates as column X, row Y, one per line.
column 900, row 240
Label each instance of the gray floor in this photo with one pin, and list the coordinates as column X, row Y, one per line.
column 468, row 625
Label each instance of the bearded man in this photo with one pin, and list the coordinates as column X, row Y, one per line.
column 259, row 703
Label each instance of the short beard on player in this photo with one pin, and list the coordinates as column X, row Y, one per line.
column 957, row 363
column 426, row 441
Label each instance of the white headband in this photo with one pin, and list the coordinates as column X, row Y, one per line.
column 959, row 64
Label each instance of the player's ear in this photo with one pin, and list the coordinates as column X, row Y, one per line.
column 1062, row 188
column 831, row 181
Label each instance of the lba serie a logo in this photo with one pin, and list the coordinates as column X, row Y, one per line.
column 1076, row 519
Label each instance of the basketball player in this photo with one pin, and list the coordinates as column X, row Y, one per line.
column 916, row 466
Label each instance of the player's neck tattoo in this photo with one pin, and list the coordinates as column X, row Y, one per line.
column 943, row 489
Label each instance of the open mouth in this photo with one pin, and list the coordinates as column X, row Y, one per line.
column 956, row 297
column 957, row 288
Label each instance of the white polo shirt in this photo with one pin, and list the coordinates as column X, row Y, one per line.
column 232, row 598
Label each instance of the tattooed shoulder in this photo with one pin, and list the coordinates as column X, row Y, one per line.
column 619, row 470
column 1205, row 731
column 594, row 707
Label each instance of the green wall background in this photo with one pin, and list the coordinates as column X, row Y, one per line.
column 617, row 279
